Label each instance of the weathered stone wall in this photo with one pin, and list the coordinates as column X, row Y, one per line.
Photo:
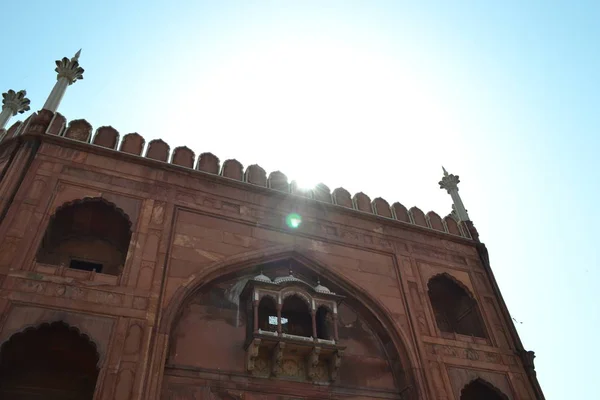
column 190, row 226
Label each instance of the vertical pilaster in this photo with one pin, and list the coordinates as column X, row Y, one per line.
column 255, row 310
column 279, row 328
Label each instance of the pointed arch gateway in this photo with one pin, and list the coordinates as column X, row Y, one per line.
column 209, row 300
column 51, row 361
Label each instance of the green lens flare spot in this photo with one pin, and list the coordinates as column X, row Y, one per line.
column 293, row 220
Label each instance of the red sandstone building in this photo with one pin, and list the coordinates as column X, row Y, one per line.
column 133, row 271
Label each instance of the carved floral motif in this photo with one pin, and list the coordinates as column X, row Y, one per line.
column 466, row 353
column 471, row 354
column 70, row 292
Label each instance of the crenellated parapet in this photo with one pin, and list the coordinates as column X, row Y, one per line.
column 158, row 150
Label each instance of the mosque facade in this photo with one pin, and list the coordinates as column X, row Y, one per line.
column 130, row 270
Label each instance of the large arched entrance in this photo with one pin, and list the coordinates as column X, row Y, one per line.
column 50, row 362
column 214, row 337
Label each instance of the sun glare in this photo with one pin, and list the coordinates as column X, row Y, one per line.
column 305, row 182
column 317, row 110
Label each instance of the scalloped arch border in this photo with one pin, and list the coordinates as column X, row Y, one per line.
column 292, row 292
column 455, row 280
column 484, row 382
column 411, row 365
column 86, row 200
column 31, row 328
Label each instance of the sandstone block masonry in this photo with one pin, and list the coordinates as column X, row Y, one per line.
column 416, row 304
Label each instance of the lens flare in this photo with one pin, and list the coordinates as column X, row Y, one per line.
column 293, row 220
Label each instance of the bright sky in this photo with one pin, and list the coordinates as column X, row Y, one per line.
column 373, row 96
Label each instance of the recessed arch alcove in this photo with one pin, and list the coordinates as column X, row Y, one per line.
column 207, row 325
column 90, row 234
column 479, row 389
column 50, row 361
column 454, row 307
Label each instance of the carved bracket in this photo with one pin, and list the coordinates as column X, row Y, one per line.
column 293, row 358
column 252, row 354
column 312, row 362
column 527, row 358
column 334, row 364
column 277, row 361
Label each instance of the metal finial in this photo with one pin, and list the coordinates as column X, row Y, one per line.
column 76, row 56
column 445, row 172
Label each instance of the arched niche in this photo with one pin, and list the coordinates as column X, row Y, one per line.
column 324, row 322
column 479, row 389
column 454, row 307
column 89, row 234
column 374, row 359
column 50, row 361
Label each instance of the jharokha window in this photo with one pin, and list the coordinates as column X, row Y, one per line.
column 456, row 311
column 91, row 235
column 289, row 315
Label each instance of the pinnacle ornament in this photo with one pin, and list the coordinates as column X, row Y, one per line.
column 13, row 103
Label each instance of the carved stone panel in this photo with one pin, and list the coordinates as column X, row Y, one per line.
column 435, row 349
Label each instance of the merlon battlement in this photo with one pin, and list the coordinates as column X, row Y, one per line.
column 45, row 122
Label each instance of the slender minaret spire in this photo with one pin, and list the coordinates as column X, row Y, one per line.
column 450, row 183
column 68, row 72
column 13, row 103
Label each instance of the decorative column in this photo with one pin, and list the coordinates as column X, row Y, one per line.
column 450, row 183
column 313, row 315
column 336, row 337
column 13, row 103
column 255, row 310
column 279, row 327
column 68, row 72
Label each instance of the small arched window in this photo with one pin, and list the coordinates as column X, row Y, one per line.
column 296, row 314
column 324, row 323
column 455, row 309
column 91, row 235
column 267, row 314
column 481, row 390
